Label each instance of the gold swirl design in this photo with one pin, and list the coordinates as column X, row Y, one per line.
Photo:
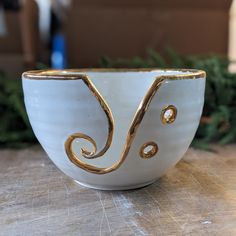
column 110, row 119
column 85, row 153
column 129, row 139
column 70, row 75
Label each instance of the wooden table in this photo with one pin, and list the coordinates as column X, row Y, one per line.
column 197, row 197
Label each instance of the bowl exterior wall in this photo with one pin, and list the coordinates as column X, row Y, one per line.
column 59, row 108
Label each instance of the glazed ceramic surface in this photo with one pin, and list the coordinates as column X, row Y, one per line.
column 114, row 129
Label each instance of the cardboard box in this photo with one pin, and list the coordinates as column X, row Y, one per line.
column 11, row 41
column 12, row 64
column 19, row 47
column 126, row 28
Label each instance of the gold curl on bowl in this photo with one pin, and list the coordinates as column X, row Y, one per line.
column 143, row 107
column 85, row 153
column 130, row 136
column 150, row 153
column 129, row 139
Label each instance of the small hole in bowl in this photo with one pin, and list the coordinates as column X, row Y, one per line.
column 168, row 114
column 148, row 150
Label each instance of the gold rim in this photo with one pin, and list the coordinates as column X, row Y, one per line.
column 72, row 74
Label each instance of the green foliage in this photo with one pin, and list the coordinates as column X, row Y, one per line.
column 15, row 130
column 219, row 114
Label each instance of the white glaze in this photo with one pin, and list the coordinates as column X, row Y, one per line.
column 59, row 108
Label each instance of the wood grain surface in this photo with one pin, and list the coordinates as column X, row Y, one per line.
column 196, row 197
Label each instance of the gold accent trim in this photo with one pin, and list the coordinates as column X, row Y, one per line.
column 172, row 117
column 150, row 153
column 71, row 75
column 129, row 139
column 85, row 153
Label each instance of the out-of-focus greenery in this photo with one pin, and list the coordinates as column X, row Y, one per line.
column 15, row 130
column 219, row 115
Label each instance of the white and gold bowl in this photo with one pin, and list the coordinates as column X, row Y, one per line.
column 114, row 129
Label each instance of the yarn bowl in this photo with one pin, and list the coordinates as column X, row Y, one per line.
column 114, row 129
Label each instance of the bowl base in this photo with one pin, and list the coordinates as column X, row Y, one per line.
column 127, row 187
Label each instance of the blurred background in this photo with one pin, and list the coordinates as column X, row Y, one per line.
column 38, row 34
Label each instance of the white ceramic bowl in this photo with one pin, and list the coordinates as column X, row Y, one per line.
column 114, row 129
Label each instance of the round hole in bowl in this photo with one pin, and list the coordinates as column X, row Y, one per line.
column 148, row 150
column 168, row 114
